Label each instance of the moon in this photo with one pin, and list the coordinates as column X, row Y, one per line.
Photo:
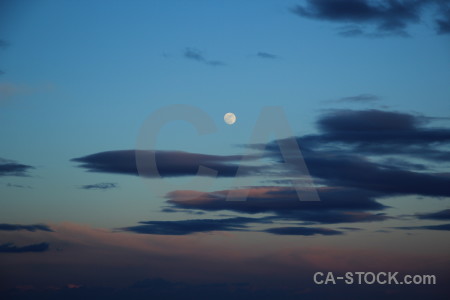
column 229, row 118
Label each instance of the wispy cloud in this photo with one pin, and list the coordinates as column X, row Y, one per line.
column 19, row 186
column 266, row 55
column 197, row 55
column 100, row 186
column 361, row 98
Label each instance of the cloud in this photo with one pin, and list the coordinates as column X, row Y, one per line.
column 444, row 26
column 380, row 132
column 169, row 163
column 354, row 171
column 11, row 168
column 266, row 55
column 183, row 227
column 306, row 231
column 10, row 248
column 197, row 55
column 369, row 121
column 274, row 199
column 32, row 228
column 442, row 227
column 336, row 205
column 389, row 17
column 20, row 186
column 439, row 215
column 193, row 54
column 100, row 186
column 443, row 21
column 93, row 257
column 361, row 98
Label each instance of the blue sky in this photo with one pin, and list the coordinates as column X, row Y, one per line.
column 80, row 78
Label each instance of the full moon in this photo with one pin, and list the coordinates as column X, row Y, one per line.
column 229, row 118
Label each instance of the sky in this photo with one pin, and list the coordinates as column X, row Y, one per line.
column 349, row 99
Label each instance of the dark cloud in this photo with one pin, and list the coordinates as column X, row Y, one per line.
column 306, row 231
column 11, row 248
column 279, row 200
column 266, row 55
column 197, row 55
column 443, row 21
column 333, row 217
column 444, row 26
column 183, row 227
column 357, row 172
column 11, row 168
column 359, row 98
column 169, row 163
column 439, row 215
column 367, row 121
column 387, row 16
column 380, row 132
column 100, row 186
column 336, row 206
column 35, row 227
column 443, row 227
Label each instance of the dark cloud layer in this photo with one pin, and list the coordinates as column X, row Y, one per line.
column 169, row 163
column 388, row 16
column 279, row 200
column 439, row 215
column 336, row 205
column 35, row 227
column 343, row 158
column 183, row 227
column 11, row 168
column 305, row 231
column 11, row 248
column 353, row 171
column 442, row 227
column 338, row 154
column 380, row 132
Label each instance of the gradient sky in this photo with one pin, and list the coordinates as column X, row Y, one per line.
column 366, row 92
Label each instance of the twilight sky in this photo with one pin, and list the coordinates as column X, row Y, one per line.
column 362, row 86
